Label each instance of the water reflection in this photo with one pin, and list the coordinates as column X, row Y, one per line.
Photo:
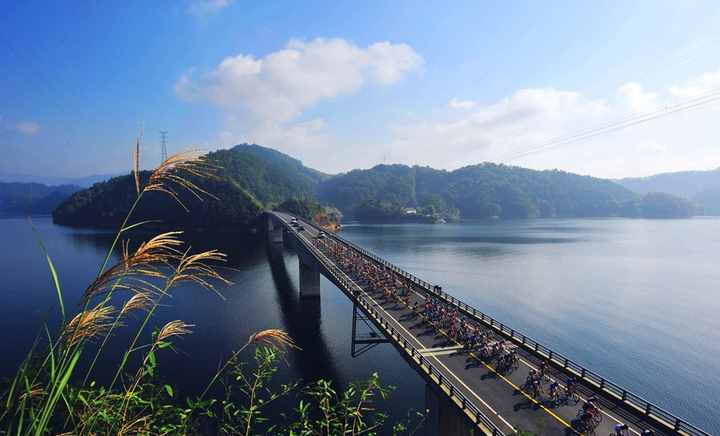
column 302, row 318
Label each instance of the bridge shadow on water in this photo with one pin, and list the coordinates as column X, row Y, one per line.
column 302, row 319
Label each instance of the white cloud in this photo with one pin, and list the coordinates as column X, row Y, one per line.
column 697, row 86
column 281, row 85
column 637, row 99
column 28, row 128
column 275, row 89
column 205, row 8
column 502, row 131
column 456, row 103
column 528, row 117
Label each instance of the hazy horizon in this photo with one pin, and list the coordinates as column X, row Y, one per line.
column 51, row 179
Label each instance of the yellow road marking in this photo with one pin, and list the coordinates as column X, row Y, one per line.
column 550, row 412
column 440, row 351
column 412, row 336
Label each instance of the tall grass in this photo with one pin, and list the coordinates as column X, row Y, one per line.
column 144, row 277
column 51, row 394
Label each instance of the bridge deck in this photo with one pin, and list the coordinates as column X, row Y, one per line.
column 499, row 396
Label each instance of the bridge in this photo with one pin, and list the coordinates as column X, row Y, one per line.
column 466, row 393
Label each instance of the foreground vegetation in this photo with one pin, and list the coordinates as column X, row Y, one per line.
column 54, row 391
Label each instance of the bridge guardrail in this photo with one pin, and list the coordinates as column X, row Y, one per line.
column 465, row 403
column 590, row 377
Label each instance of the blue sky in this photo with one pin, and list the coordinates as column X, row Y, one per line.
column 342, row 85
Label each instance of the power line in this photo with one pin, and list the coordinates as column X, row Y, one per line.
column 703, row 99
column 163, row 145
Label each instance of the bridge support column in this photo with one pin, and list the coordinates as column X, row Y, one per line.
column 442, row 417
column 309, row 280
column 274, row 230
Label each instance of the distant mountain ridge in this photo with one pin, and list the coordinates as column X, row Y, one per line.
column 253, row 178
column 487, row 190
column 83, row 182
column 32, row 198
column 700, row 187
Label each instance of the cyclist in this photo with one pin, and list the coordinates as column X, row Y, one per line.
column 589, row 406
column 622, row 430
column 555, row 392
column 571, row 388
column 536, row 389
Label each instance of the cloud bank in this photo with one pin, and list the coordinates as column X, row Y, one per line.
column 280, row 85
column 271, row 92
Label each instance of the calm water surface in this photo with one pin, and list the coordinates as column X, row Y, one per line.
column 635, row 300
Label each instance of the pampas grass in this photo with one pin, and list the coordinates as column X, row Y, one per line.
column 139, row 280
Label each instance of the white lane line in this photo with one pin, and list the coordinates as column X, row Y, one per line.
column 432, row 350
column 440, row 363
column 473, row 392
column 439, row 353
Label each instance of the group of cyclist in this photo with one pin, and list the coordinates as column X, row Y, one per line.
column 476, row 340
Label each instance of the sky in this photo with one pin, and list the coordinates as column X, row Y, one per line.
column 343, row 85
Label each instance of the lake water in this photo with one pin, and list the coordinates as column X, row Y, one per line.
column 635, row 300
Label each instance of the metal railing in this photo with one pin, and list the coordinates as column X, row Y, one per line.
column 348, row 285
column 591, row 378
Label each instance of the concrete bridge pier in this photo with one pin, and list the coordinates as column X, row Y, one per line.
column 443, row 418
column 309, row 273
column 274, row 230
column 309, row 279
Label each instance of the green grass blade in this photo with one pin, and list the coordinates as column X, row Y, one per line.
column 57, row 390
column 141, row 223
column 56, row 283
column 53, row 272
column 51, row 354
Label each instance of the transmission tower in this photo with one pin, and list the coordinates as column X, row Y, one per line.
column 163, row 143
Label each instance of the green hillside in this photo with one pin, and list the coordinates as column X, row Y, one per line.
column 251, row 178
column 700, row 187
column 486, row 190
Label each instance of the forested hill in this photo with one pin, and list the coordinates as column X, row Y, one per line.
column 254, row 178
column 251, row 179
column 700, row 187
column 487, row 190
column 32, row 198
column 269, row 175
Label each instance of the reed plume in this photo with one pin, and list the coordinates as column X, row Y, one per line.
column 133, row 269
column 174, row 173
column 275, row 338
column 136, row 165
column 174, row 328
column 195, row 268
column 88, row 325
column 139, row 301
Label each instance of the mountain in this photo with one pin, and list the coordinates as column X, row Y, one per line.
column 250, row 179
column 83, row 182
column 269, row 175
column 483, row 191
column 32, row 198
column 700, row 187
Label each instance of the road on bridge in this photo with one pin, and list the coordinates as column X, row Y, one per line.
column 500, row 396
